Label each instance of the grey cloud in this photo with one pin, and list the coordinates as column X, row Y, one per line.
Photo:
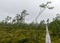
column 12, row 7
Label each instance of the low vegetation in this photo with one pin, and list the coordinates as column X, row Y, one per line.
column 29, row 33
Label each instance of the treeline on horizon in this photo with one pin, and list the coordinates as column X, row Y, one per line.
column 17, row 31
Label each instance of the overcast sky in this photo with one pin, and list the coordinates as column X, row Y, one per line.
column 12, row 7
